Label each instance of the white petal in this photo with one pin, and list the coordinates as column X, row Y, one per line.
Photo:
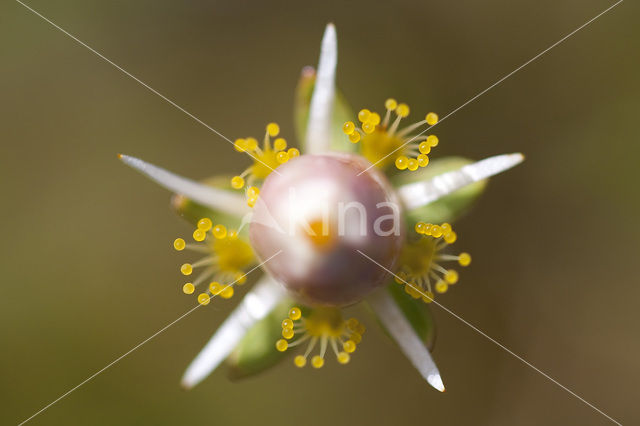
column 261, row 300
column 318, row 135
column 218, row 199
column 418, row 194
column 399, row 328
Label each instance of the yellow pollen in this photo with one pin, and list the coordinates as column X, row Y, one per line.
column 282, row 345
column 432, row 140
column 295, row 314
column 179, row 244
column 273, row 129
column 402, row 162
column 363, row 115
column 412, row 164
column 282, row 157
column 252, row 144
column 343, row 358
column 402, row 110
column 293, row 153
column 441, row 287
column 349, row 346
column 287, row 333
column 451, row 276
column 427, row 297
column 354, row 137
column 205, row 224
column 436, row 231
column 287, row 323
column 186, row 269
column 199, row 235
column 203, row 299
column 464, row 259
column 431, row 118
column 423, row 160
column 368, row 127
column 219, row 231
column 280, row 144
column 317, row 361
column 227, row 292
column 420, row 227
column 215, row 287
column 237, row 182
column 450, row 237
column 424, row 147
column 348, row 128
column 390, row 104
column 240, row 145
column 188, row 288
column 374, row 118
column 300, row 361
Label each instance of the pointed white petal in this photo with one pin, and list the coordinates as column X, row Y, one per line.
column 399, row 328
column 418, row 194
column 218, row 199
column 264, row 297
column 319, row 126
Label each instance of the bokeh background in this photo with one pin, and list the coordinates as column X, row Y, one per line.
column 86, row 261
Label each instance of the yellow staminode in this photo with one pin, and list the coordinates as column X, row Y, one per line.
column 265, row 159
column 420, row 261
column 383, row 144
column 325, row 326
column 227, row 258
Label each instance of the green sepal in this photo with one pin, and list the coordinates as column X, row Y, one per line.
column 417, row 313
column 257, row 351
column 192, row 211
column 448, row 208
column 342, row 113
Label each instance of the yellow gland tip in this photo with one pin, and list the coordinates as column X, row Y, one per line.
column 199, row 235
column 402, row 162
column 282, row 157
column 354, row 137
column 349, row 346
column 237, row 182
column 402, row 110
column 464, row 259
column 451, row 276
column 273, row 129
column 423, row 160
column 295, row 313
column 424, row 147
column 391, row 104
column 287, row 333
column 432, row 140
column 300, row 361
column 282, row 345
column 188, row 288
column 186, row 269
column 442, row 287
column 203, row 299
column 280, row 144
column 431, row 118
column 293, row 153
column 348, row 128
column 179, row 244
column 343, row 358
column 363, row 115
column 317, row 361
column 219, row 231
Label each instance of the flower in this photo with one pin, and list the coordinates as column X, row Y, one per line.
column 329, row 227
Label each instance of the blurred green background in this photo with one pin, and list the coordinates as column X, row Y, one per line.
column 87, row 266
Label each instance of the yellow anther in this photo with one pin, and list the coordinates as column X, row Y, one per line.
column 424, row 147
column 300, row 361
column 374, row 118
column 442, row 287
column 354, row 137
column 363, row 115
column 237, row 182
column 412, row 164
column 412, row 291
column 399, row 279
column 402, row 110
column 240, row 145
column 199, row 235
column 451, row 276
column 317, row 361
column 349, row 346
column 348, row 128
column 427, row 297
column 402, row 162
column 361, row 329
column 188, row 288
column 227, row 292
column 287, row 323
column 343, row 358
column 356, row 337
column 205, row 224
column 436, row 231
column 253, row 192
column 282, row 345
column 252, row 144
column 179, row 244
column 293, row 153
column 432, row 140
column 450, row 237
column 464, row 259
column 203, row 299
column 295, row 313
column 240, row 277
column 287, row 333
column 280, row 144
column 423, row 160
column 215, row 287
column 368, row 127
column 420, row 227
column 219, row 231
column 282, row 157
column 251, row 202
column 186, row 269
column 352, row 324
column 273, row 129
column 431, row 118
column 427, row 229
column 446, row 227
column 391, row 104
